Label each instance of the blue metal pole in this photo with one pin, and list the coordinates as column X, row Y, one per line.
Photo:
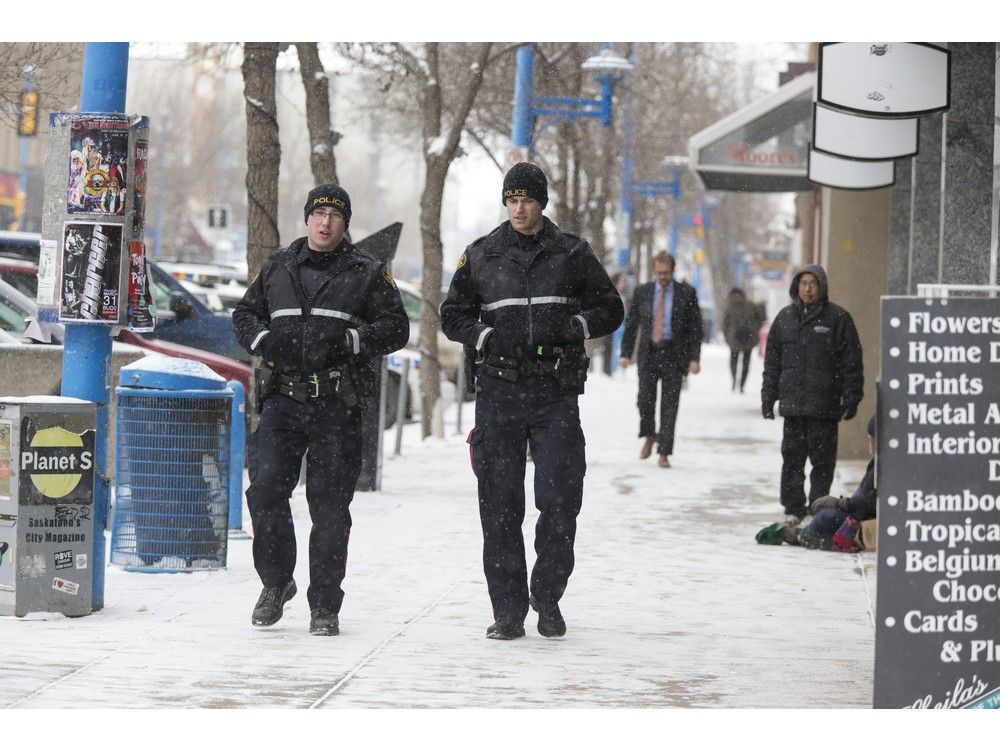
column 520, row 131
column 672, row 243
column 237, row 457
column 625, row 241
column 87, row 349
column 607, row 92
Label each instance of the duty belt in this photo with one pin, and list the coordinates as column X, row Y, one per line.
column 508, row 368
column 312, row 386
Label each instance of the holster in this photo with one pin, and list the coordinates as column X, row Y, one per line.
column 573, row 367
column 265, row 383
column 363, row 376
column 470, row 364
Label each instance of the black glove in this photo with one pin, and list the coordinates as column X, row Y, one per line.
column 277, row 348
column 341, row 347
column 849, row 410
column 828, row 501
column 767, row 410
column 503, row 343
column 571, row 332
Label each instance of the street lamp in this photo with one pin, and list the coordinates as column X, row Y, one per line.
column 607, row 66
column 677, row 165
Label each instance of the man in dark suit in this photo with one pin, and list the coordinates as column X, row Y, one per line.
column 670, row 347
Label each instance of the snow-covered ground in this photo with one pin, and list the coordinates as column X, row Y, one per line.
column 672, row 603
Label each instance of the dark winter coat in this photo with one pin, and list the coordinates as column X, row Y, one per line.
column 812, row 363
column 515, row 301
column 685, row 323
column 356, row 310
column 741, row 322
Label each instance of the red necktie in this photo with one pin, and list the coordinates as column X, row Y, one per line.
column 657, row 334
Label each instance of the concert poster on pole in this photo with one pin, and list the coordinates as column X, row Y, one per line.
column 139, row 189
column 141, row 314
column 98, row 166
column 91, row 258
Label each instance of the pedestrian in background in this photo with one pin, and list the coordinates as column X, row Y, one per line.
column 813, row 368
column 523, row 301
column 665, row 318
column 320, row 314
column 740, row 325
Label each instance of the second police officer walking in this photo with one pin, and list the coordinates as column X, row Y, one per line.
column 523, row 300
column 320, row 314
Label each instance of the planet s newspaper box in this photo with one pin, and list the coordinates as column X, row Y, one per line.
column 46, row 505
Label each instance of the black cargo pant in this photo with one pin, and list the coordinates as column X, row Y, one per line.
column 734, row 358
column 533, row 412
column 660, row 365
column 331, row 433
column 815, row 439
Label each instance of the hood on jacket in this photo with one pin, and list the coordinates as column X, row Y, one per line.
column 819, row 273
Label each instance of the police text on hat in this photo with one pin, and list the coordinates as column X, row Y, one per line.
column 330, row 196
column 525, row 180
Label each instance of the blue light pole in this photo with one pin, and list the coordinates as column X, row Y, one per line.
column 87, row 348
column 607, row 66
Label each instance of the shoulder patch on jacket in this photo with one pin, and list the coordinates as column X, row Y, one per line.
column 463, row 259
column 388, row 276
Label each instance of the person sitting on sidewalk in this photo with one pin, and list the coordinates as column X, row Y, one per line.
column 835, row 520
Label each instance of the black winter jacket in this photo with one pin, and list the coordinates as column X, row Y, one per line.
column 812, row 363
column 559, row 295
column 357, row 310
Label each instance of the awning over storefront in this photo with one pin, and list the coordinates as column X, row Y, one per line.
column 762, row 148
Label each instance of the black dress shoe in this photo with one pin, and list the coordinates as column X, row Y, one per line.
column 505, row 630
column 550, row 620
column 271, row 604
column 324, row 622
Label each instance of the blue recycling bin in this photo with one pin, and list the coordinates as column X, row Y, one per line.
column 173, row 455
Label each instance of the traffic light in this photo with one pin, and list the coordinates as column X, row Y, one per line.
column 27, row 121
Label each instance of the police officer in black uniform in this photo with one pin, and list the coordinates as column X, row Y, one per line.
column 320, row 314
column 523, row 301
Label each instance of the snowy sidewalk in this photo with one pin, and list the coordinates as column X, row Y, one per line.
column 672, row 602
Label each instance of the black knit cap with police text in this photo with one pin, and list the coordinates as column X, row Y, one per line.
column 329, row 196
column 525, row 180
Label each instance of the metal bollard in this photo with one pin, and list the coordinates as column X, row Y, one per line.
column 401, row 400
column 236, row 461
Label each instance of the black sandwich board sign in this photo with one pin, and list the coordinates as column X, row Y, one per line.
column 937, row 636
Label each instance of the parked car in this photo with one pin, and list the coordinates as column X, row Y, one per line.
column 31, row 356
column 206, row 274
column 184, row 319
column 181, row 317
column 20, row 245
column 450, row 353
column 20, row 273
column 220, row 298
column 25, row 274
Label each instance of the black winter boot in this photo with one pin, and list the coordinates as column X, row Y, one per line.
column 324, row 622
column 550, row 620
column 271, row 604
column 505, row 629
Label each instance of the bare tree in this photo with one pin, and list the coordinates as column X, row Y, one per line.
column 443, row 92
column 322, row 138
column 263, row 151
column 50, row 67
